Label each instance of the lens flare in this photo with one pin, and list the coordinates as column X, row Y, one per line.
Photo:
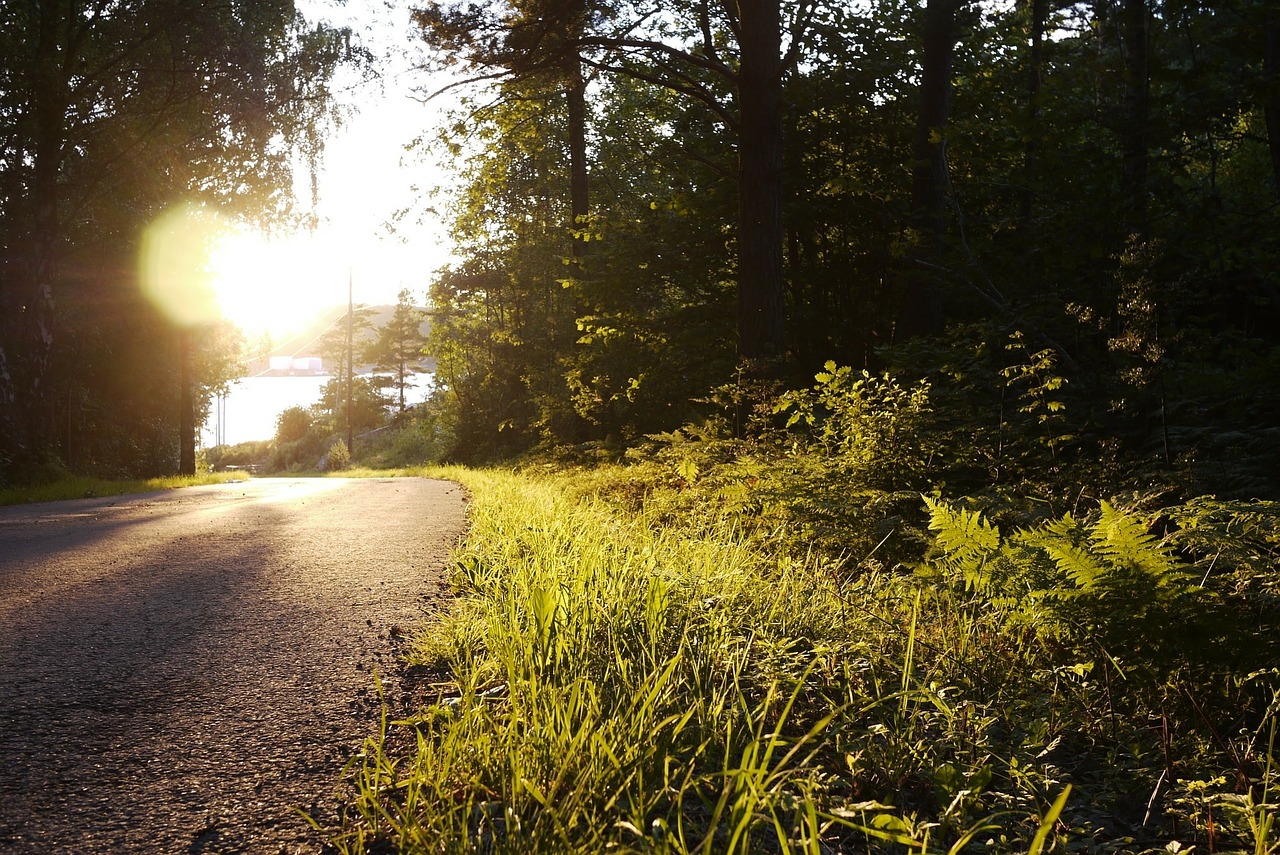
column 275, row 283
column 174, row 268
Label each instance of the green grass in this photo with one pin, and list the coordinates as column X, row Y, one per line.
column 88, row 488
column 367, row 472
column 614, row 679
column 617, row 684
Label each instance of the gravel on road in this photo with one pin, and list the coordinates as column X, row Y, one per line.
column 189, row 671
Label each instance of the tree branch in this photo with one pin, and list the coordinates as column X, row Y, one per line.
column 709, row 63
column 681, row 83
column 799, row 24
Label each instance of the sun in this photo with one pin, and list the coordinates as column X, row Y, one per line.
column 273, row 285
column 198, row 268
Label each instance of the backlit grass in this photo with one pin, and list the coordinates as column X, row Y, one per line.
column 614, row 684
column 89, row 488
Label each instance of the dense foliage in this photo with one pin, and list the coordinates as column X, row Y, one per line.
column 111, row 114
column 640, row 660
column 1124, row 223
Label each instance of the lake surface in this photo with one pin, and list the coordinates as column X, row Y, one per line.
column 249, row 412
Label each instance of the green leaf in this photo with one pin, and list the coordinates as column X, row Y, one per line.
column 1046, row 825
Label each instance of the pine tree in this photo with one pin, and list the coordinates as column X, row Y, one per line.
column 398, row 348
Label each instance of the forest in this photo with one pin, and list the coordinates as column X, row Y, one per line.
column 112, row 114
column 975, row 195
column 891, row 388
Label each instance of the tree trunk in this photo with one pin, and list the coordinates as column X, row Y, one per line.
column 1133, row 24
column 1038, row 10
column 760, row 303
column 579, row 190
column 922, row 304
column 36, row 333
column 1271, row 82
column 186, row 404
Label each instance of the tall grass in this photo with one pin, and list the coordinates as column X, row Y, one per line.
column 619, row 684
column 88, row 488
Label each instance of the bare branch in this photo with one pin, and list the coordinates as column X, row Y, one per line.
column 457, row 84
column 709, row 63
column 676, row 83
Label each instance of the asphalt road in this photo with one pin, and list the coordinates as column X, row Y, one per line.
column 185, row 671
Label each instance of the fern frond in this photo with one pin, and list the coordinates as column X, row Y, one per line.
column 1076, row 562
column 963, row 535
column 1122, row 539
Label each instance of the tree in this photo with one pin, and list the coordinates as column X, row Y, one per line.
column 109, row 113
column 529, row 40
column 759, row 86
column 399, row 345
column 1135, row 47
column 1037, row 13
column 1271, row 86
column 922, row 309
column 369, row 407
column 292, row 425
column 678, row 53
column 333, row 342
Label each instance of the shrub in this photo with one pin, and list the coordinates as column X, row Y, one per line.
column 293, row 424
column 339, row 457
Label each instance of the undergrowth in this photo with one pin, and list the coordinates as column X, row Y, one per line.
column 88, row 488
column 797, row 642
column 624, row 685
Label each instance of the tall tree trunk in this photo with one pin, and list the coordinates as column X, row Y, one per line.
column 579, row 189
column 1271, row 82
column 1039, row 10
column 921, row 312
column 1134, row 17
column 36, row 328
column 760, row 287
column 186, row 403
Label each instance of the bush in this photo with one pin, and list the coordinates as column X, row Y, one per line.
column 339, row 457
column 293, row 424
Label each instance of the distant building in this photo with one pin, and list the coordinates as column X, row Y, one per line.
column 294, row 366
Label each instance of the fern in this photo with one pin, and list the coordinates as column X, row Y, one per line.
column 1231, row 544
column 965, row 538
column 1106, row 580
column 1124, row 541
column 1076, row 563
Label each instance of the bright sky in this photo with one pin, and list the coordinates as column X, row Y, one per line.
column 376, row 196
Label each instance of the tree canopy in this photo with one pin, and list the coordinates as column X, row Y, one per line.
column 1098, row 177
column 110, row 113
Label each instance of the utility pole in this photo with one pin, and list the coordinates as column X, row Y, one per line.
column 351, row 448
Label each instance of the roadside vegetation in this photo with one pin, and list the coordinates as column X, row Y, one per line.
column 90, row 488
column 845, row 633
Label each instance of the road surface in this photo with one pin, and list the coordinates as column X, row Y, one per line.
column 185, row 671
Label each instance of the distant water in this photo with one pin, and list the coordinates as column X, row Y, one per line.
column 254, row 404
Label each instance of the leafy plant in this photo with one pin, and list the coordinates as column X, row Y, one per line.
column 339, row 457
column 1104, row 581
column 1038, row 387
column 865, row 423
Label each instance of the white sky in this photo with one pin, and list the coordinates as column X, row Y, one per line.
column 377, row 194
column 370, row 174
